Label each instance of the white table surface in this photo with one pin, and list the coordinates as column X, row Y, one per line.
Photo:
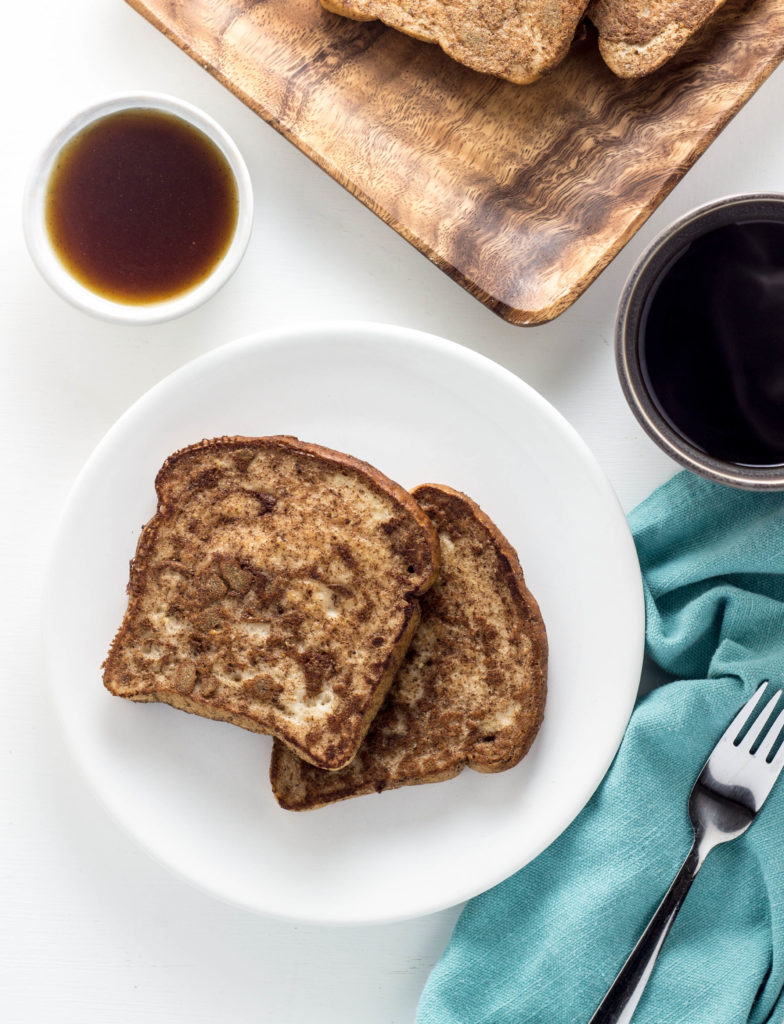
column 93, row 930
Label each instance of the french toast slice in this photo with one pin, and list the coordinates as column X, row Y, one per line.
column 276, row 587
column 519, row 40
column 472, row 687
column 637, row 38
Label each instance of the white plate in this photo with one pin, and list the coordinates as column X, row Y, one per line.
column 196, row 792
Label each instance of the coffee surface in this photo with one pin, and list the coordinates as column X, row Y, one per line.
column 712, row 343
column 141, row 206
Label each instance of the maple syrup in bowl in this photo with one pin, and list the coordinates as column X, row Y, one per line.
column 700, row 341
column 139, row 210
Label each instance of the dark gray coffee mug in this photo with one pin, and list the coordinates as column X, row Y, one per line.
column 631, row 314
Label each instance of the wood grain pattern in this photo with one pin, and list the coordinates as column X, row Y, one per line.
column 522, row 194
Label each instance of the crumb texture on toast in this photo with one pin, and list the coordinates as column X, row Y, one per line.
column 276, row 588
column 637, row 38
column 471, row 689
column 518, row 40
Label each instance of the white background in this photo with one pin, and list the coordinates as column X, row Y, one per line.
column 93, row 930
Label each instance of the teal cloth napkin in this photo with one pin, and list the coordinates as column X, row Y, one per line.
column 544, row 946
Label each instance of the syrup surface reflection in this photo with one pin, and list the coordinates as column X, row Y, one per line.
column 712, row 343
column 141, row 206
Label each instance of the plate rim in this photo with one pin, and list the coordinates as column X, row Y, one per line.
column 309, row 330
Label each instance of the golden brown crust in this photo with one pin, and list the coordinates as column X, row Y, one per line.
column 519, row 40
column 637, row 38
column 275, row 588
column 472, row 687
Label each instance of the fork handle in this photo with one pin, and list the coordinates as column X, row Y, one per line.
column 621, row 1000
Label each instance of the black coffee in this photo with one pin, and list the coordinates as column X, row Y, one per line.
column 712, row 343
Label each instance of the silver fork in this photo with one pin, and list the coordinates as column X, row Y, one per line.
column 730, row 790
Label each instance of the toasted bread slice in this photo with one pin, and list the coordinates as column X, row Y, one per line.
column 276, row 588
column 636, row 38
column 471, row 690
column 519, row 40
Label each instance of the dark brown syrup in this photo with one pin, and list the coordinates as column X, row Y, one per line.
column 141, row 206
column 712, row 343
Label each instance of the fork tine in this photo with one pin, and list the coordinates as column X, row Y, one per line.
column 777, row 764
column 759, row 724
column 743, row 715
column 773, row 734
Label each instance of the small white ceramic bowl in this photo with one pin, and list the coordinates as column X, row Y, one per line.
column 54, row 271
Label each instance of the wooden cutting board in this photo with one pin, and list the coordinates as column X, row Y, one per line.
column 522, row 194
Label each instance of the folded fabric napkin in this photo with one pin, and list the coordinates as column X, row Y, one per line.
column 545, row 945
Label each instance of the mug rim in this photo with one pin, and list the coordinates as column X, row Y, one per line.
column 54, row 271
column 664, row 247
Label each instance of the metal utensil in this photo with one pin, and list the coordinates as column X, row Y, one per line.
column 730, row 790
